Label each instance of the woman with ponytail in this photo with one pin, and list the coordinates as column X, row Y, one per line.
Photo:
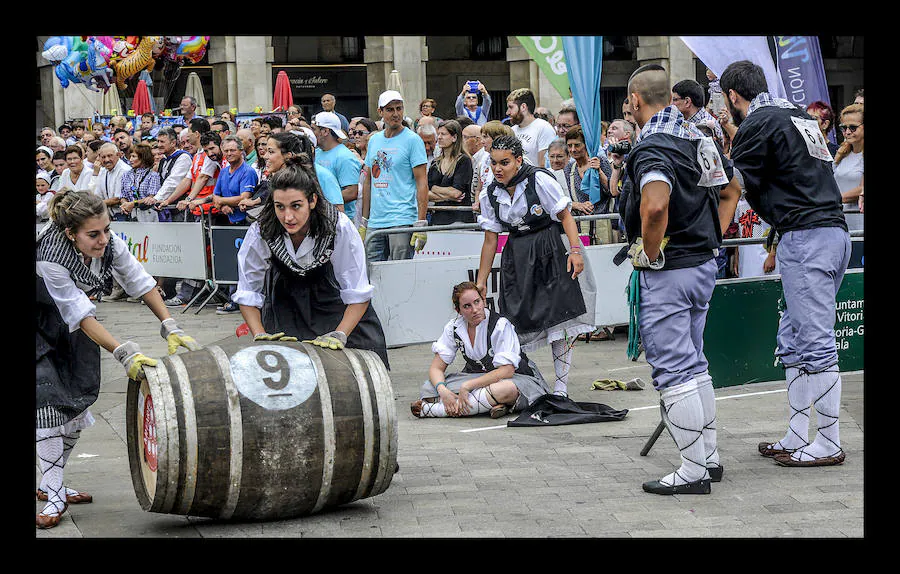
column 302, row 267
column 497, row 378
column 77, row 257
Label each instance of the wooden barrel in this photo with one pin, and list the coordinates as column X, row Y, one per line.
column 261, row 430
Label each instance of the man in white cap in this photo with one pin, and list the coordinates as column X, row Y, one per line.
column 336, row 157
column 395, row 193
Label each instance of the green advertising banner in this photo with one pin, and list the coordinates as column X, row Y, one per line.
column 547, row 52
column 739, row 341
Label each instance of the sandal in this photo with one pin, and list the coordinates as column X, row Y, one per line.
column 602, row 334
column 415, row 408
column 80, row 498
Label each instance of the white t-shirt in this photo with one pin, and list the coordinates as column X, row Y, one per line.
column 848, row 174
column 535, row 138
column 348, row 261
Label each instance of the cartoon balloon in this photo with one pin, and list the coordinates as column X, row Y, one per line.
column 192, row 48
column 140, row 59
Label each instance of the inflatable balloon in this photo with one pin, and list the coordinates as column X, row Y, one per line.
column 170, row 47
column 140, row 59
column 192, row 48
column 123, row 46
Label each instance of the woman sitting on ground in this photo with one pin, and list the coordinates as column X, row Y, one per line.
column 497, row 377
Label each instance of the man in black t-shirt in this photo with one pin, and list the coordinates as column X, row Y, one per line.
column 678, row 175
column 787, row 171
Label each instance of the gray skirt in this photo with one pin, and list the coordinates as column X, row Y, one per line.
column 530, row 388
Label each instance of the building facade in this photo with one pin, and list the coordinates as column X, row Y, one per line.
column 239, row 72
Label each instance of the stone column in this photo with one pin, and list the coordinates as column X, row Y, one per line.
column 407, row 55
column 242, row 72
column 669, row 52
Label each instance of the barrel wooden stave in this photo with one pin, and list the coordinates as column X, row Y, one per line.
column 283, row 463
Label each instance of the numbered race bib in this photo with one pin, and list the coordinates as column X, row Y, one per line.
column 276, row 377
column 812, row 135
column 711, row 164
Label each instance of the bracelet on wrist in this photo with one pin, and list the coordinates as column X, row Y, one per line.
column 437, row 386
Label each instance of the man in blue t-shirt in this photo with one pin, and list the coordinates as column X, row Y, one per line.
column 235, row 183
column 395, row 193
column 337, row 158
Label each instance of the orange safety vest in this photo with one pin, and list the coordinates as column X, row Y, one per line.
column 196, row 165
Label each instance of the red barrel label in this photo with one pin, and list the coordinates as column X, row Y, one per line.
column 151, row 448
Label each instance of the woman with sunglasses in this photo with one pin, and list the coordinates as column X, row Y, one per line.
column 361, row 129
column 848, row 164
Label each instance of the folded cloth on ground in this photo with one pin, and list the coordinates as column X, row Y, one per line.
column 635, row 384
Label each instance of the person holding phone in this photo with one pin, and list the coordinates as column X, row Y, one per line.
column 467, row 102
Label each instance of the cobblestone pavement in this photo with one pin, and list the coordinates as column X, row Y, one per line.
column 475, row 477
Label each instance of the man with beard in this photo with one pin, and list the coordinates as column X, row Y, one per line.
column 788, row 178
column 678, row 175
column 123, row 141
column 534, row 133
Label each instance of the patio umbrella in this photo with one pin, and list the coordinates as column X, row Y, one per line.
column 283, row 98
column 141, row 102
column 394, row 82
column 195, row 89
column 111, row 103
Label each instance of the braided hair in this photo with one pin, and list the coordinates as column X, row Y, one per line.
column 509, row 143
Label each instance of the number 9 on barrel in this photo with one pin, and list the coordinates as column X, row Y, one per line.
column 276, row 377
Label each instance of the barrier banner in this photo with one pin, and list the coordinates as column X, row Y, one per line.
column 226, row 242
column 739, row 341
column 412, row 297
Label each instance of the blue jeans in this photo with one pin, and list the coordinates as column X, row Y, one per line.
column 390, row 247
column 812, row 263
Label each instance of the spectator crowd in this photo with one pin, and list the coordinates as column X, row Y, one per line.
column 396, row 171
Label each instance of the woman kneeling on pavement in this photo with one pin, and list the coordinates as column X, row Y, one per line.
column 497, row 378
column 77, row 257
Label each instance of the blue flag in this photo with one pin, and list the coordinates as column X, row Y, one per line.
column 802, row 71
column 584, row 61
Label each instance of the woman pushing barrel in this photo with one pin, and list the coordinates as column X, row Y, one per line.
column 497, row 377
column 77, row 257
column 539, row 288
column 302, row 269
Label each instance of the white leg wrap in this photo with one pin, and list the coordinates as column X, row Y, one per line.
column 799, row 400
column 708, row 399
column 50, row 457
column 562, row 360
column 825, row 388
column 684, row 419
column 478, row 403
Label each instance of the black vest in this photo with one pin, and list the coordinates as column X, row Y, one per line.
column 535, row 217
column 486, row 363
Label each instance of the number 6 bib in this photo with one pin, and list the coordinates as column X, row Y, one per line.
column 275, row 377
column 812, row 136
column 710, row 164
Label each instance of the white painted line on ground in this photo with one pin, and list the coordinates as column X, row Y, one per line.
column 628, row 368
column 655, row 407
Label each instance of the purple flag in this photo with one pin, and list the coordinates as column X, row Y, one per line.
column 802, row 71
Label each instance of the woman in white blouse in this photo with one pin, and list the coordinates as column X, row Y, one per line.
column 77, row 257
column 302, row 269
column 75, row 176
column 543, row 291
column 497, row 378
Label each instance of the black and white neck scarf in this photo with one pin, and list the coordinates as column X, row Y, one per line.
column 53, row 246
column 322, row 251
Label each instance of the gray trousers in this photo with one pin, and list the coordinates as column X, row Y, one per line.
column 390, row 247
column 673, row 311
column 812, row 262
